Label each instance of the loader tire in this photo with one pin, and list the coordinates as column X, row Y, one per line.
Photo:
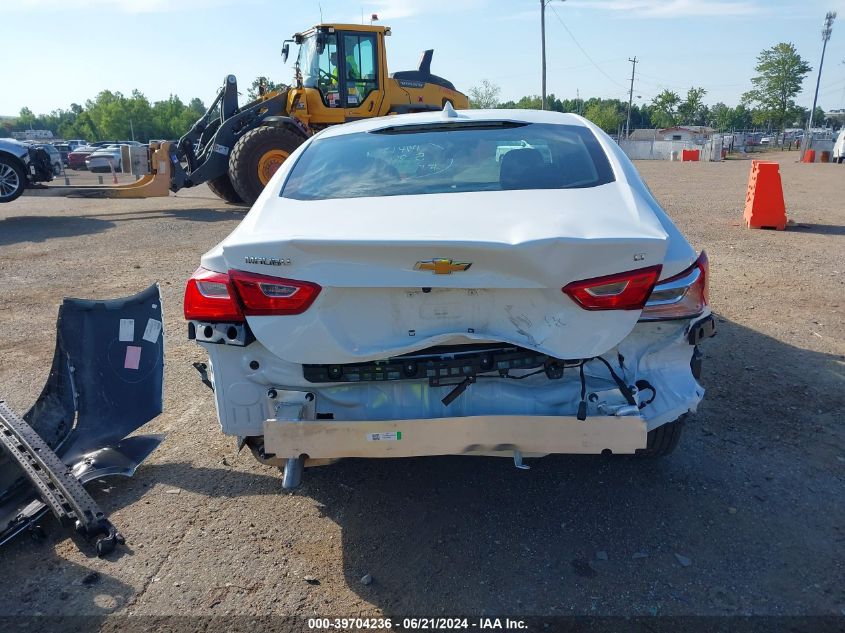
column 223, row 189
column 256, row 157
column 663, row 440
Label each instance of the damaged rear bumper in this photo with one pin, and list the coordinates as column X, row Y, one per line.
column 105, row 382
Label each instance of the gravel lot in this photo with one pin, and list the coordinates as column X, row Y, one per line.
column 747, row 517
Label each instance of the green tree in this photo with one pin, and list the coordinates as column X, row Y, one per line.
column 253, row 91
column 605, row 114
column 664, row 109
column 532, row 102
column 166, row 117
column 725, row 118
column 780, row 73
column 26, row 119
column 113, row 116
column 484, row 96
column 692, row 111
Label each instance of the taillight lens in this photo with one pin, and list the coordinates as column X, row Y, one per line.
column 622, row 291
column 680, row 297
column 213, row 296
column 264, row 295
column 209, row 296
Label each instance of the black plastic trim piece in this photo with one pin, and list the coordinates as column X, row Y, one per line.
column 703, row 329
column 439, row 366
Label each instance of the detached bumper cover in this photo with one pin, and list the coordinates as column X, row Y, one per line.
column 105, row 382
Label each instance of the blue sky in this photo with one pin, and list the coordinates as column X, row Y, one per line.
column 67, row 50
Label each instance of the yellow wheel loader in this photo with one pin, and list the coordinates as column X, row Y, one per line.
column 340, row 75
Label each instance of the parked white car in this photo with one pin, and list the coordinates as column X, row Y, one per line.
column 397, row 291
column 839, row 147
column 103, row 159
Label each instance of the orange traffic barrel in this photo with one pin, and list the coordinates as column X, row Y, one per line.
column 825, row 157
column 764, row 206
column 809, row 156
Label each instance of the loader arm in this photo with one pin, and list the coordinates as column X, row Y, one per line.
column 203, row 152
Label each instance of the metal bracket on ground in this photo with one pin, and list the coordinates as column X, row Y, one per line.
column 56, row 485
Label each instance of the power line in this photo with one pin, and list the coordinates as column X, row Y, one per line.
column 587, row 55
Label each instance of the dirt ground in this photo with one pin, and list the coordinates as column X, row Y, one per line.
column 746, row 517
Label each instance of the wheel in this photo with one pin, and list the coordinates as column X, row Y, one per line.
column 12, row 179
column 223, row 189
column 663, row 440
column 256, row 157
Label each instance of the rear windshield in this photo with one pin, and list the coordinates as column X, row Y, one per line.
column 476, row 156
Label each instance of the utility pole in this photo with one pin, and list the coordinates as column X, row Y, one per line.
column 543, row 50
column 630, row 96
column 543, row 4
column 826, row 31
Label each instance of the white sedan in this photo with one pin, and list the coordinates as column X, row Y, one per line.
column 478, row 283
column 104, row 159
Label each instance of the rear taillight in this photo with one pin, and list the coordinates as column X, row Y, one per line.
column 209, row 296
column 622, row 291
column 212, row 296
column 262, row 295
column 680, row 297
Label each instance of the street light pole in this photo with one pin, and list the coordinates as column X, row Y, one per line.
column 543, row 4
column 826, row 31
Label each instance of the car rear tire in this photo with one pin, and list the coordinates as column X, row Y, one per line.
column 12, row 179
column 256, row 157
column 663, row 440
column 223, row 189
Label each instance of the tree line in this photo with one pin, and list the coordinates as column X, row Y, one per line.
column 115, row 116
column 112, row 116
column 769, row 104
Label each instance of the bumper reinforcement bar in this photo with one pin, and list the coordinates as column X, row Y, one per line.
column 500, row 435
column 55, row 483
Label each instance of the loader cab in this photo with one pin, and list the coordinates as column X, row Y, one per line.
column 344, row 66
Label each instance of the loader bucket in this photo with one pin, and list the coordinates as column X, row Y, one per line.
column 105, row 382
column 156, row 184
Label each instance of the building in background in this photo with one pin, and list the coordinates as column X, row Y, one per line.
column 686, row 133
column 32, row 135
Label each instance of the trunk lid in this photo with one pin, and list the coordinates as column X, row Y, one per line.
column 377, row 261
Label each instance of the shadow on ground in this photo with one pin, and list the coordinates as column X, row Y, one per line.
column 67, row 588
column 37, row 228
column 738, row 520
column 820, row 229
column 741, row 519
